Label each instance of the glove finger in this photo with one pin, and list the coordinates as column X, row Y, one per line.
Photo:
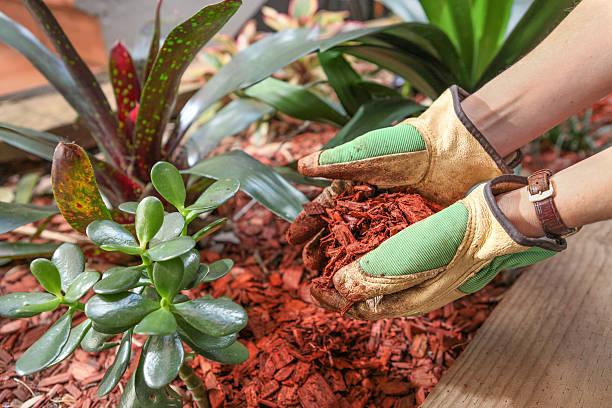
column 306, row 226
column 313, row 254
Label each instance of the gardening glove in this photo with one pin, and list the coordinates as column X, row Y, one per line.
column 437, row 260
column 440, row 154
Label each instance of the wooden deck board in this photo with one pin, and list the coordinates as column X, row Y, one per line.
column 549, row 342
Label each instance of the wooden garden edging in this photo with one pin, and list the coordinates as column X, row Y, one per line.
column 549, row 342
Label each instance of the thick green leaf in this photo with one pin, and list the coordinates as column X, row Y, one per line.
column 215, row 195
column 234, row 354
column 81, row 286
column 490, row 20
column 75, row 188
column 118, row 281
column 42, row 353
column 47, row 275
column 229, row 120
column 129, row 207
column 98, row 116
column 13, row 215
column 217, row 270
column 171, row 228
column 215, row 317
column 257, row 180
column 94, row 341
column 169, row 183
column 375, row 115
column 539, row 20
column 24, row 304
column 41, row 144
column 168, row 277
column 151, row 397
column 17, row 250
column 199, row 341
column 77, row 333
column 203, row 270
column 171, row 249
column 209, row 229
column 149, row 219
column 128, row 398
column 191, row 265
column 111, row 236
column 119, row 310
column 158, row 323
column 117, row 369
column 70, row 262
column 161, row 87
column 296, row 101
column 163, row 357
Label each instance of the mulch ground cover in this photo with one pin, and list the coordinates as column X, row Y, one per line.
column 301, row 355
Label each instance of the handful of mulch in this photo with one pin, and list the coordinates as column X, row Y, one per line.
column 359, row 220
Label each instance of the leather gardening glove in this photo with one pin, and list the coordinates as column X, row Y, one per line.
column 437, row 260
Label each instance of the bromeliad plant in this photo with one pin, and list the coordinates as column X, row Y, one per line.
column 141, row 299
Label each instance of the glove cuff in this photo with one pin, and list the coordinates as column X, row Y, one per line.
column 505, row 164
column 503, row 184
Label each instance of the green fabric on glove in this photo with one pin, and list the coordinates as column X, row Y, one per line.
column 519, row 260
column 379, row 142
column 421, row 246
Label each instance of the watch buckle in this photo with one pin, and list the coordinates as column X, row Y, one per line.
column 542, row 195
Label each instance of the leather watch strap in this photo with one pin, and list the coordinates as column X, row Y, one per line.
column 541, row 194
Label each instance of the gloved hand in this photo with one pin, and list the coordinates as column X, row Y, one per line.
column 437, row 260
column 440, row 154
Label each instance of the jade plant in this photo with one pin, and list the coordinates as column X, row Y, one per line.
column 143, row 299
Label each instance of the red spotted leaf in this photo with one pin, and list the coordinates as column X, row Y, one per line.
column 125, row 85
column 118, row 186
column 75, row 187
column 161, row 88
column 154, row 48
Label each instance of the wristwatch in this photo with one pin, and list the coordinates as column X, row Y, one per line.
column 541, row 194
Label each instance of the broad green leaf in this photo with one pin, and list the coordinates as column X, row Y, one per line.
column 171, row 249
column 257, row 180
column 94, row 341
column 119, row 280
column 24, row 304
column 151, row 397
column 191, row 264
column 129, row 207
column 42, row 353
column 171, row 228
column 296, row 101
column 460, row 12
column 17, row 250
column 111, row 236
column 149, row 219
column 161, row 87
column 41, row 144
column 209, row 229
column 119, row 310
column 163, row 357
column 77, row 333
column 203, row 270
column 403, row 9
column 438, row 14
column 167, row 277
column 234, row 354
column 217, row 270
column 81, row 286
column 229, row 120
column 74, row 187
column 215, row 317
column 375, row 115
column 70, row 262
column 47, row 275
column 126, row 86
column 158, row 323
column 13, row 215
column 490, row 20
column 215, row 195
column 98, row 115
column 199, row 341
column 169, row 183
column 117, row 369
column 539, row 20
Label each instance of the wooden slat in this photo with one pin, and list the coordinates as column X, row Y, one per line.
column 549, row 342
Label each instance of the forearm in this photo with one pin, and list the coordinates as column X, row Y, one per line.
column 582, row 196
column 568, row 71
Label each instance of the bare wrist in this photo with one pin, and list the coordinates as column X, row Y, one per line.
column 520, row 211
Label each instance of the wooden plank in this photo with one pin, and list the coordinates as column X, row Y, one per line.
column 549, row 342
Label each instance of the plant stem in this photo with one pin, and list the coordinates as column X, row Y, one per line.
column 194, row 384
